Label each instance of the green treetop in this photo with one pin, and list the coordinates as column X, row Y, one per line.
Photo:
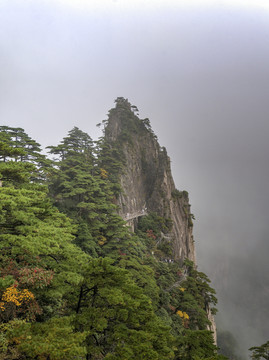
column 260, row 352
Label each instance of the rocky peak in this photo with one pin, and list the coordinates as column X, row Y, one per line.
column 146, row 180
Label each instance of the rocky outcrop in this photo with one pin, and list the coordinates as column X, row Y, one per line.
column 147, row 184
column 146, row 181
column 212, row 327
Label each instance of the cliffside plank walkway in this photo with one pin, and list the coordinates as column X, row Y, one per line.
column 134, row 215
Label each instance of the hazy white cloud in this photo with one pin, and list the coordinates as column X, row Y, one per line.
column 133, row 5
column 197, row 69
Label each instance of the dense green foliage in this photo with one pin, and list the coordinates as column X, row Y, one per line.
column 75, row 283
column 260, row 352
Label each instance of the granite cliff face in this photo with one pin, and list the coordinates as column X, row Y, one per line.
column 147, row 184
column 146, row 179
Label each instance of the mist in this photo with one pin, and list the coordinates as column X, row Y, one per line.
column 199, row 71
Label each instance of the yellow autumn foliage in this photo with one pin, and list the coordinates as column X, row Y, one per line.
column 13, row 295
column 103, row 173
column 180, row 313
column 102, row 240
column 185, row 315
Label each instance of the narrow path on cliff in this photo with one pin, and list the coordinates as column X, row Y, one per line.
column 137, row 214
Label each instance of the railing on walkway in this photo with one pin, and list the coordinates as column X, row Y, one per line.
column 134, row 215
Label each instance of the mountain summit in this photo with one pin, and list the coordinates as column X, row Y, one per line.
column 147, row 185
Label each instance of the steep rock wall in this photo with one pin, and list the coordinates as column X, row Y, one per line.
column 146, row 181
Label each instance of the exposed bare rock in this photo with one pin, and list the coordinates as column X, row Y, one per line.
column 146, row 181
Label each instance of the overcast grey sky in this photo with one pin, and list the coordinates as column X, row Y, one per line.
column 199, row 71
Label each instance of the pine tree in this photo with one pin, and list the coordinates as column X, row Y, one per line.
column 118, row 317
column 260, row 352
column 17, row 146
column 40, row 266
column 81, row 189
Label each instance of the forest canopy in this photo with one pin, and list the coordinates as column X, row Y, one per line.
column 75, row 282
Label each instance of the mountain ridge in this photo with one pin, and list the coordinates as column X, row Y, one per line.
column 146, row 180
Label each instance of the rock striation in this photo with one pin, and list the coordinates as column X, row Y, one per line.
column 146, row 180
column 147, row 184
